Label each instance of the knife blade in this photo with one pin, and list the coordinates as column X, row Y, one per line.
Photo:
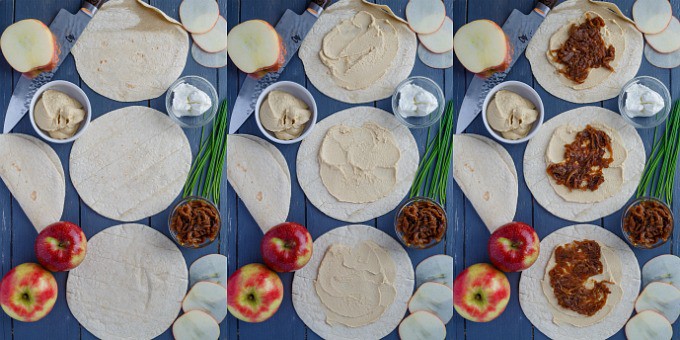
column 293, row 29
column 519, row 28
column 66, row 28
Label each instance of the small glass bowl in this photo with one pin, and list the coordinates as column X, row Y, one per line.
column 408, row 203
column 419, row 122
column 646, row 122
column 198, row 121
column 187, row 200
column 627, row 210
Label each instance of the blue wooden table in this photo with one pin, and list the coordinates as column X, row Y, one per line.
column 239, row 240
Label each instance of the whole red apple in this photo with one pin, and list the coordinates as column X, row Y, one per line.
column 514, row 247
column 286, row 247
column 61, row 246
column 254, row 293
column 481, row 293
column 28, row 292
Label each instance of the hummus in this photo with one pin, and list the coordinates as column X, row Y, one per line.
column 58, row 114
column 356, row 286
column 359, row 164
column 612, row 272
column 612, row 34
column 284, row 115
column 358, row 51
column 511, row 115
column 613, row 175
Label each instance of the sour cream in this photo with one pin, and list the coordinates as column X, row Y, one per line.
column 641, row 101
column 189, row 101
column 415, row 101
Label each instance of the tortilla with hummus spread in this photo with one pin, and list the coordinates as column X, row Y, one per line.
column 602, row 83
column 596, row 318
column 356, row 285
column 357, row 164
column 131, row 51
column 358, row 52
column 620, row 179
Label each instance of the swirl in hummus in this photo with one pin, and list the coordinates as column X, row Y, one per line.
column 356, row 285
column 358, row 51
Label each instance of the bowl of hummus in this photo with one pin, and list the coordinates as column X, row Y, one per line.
column 512, row 112
column 60, row 112
column 285, row 112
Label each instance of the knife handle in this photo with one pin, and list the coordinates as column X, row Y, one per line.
column 548, row 3
column 92, row 6
column 317, row 6
column 544, row 6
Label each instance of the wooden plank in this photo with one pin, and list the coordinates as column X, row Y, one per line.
column 6, row 78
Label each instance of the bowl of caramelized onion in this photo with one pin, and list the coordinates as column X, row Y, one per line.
column 420, row 223
column 647, row 223
column 194, row 222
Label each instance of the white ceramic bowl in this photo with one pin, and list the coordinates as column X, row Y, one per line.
column 76, row 93
column 299, row 92
column 523, row 90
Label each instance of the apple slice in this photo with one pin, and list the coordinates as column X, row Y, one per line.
column 667, row 41
column 440, row 41
column 209, row 268
column 648, row 325
column 425, row 16
column 652, row 16
column 660, row 297
column 435, row 298
column 254, row 45
column 214, row 40
column 207, row 297
column 437, row 268
column 482, row 47
column 422, row 325
column 211, row 60
column 199, row 16
column 195, row 325
column 663, row 268
column 435, row 60
column 662, row 60
column 29, row 47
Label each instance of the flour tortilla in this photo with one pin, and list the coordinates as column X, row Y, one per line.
column 308, row 305
column 130, row 163
column 535, row 304
column 308, row 165
column 318, row 72
column 131, row 51
column 130, row 285
column 486, row 173
column 535, row 165
column 572, row 10
column 33, row 173
column 259, row 174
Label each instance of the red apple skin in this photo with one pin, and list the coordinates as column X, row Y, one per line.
column 514, row 247
column 61, row 246
column 481, row 293
column 28, row 292
column 286, row 247
column 254, row 293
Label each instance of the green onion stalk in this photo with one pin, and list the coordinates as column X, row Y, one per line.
column 205, row 174
column 433, row 171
